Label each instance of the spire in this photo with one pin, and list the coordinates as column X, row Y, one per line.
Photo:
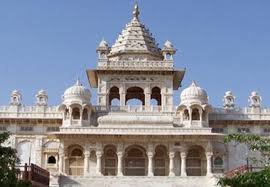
column 136, row 11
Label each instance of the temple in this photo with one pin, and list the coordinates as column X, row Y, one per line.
column 135, row 134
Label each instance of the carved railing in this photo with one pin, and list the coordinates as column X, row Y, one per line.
column 29, row 111
column 135, row 108
column 237, row 171
column 34, row 174
column 136, row 65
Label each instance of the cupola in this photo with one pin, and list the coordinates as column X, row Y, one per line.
column 103, row 49
column 229, row 100
column 76, row 106
column 255, row 100
column 194, row 107
column 41, row 98
column 15, row 98
column 168, row 50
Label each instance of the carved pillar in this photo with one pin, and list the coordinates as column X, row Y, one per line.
column 61, row 162
column 122, row 96
column 98, row 169
column 171, row 166
column 81, row 116
column 61, row 158
column 190, row 115
column 119, row 163
column 201, row 116
column 86, row 162
column 209, row 164
column 183, row 163
column 147, row 96
column 150, row 163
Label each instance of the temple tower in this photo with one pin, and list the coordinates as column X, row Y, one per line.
column 135, row 71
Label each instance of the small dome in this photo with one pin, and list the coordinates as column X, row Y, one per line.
column 194, row 94
column 103, row 44
column 168, row 45
column 15, row 92
column 254, row 93
column 77, row 92
column 42, row 92
column 228, row 93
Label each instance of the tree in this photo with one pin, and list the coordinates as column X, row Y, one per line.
column 250, row 179
column 8, row 161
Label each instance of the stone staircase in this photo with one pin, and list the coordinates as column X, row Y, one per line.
column 138, row 181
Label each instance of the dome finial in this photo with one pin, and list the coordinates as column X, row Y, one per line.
column 136, row 11
column 78, row 82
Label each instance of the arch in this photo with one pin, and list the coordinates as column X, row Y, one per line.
column 76, row 160
column 114, row 96
column 24, row 152
column 186, row 115
column 109, row 161
column 135, row 93
column 195, row 115
column 156, row 95
column 85, row 114
column 161, row 161
column 51, row 160
column 218, row 165
column 75, row 113
column 196, row 161
column 135, row 161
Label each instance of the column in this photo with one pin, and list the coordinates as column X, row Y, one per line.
column 209, row 164
column 150, row 163
column 147, row 97
column 201, row 116
column 81, row 115
column 171, row 166
column 98, row 169
column 183, row 164
column 86, row 162
column 190, row 115
column 61, row 162
column 122, row 98
column 119, row 163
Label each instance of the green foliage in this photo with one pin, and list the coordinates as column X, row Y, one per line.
column 249, row 179
column 253, row 179
column 254, row 142
column 8, row 161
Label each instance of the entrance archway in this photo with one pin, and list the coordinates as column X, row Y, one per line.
column 196, row 161
column 135, row 162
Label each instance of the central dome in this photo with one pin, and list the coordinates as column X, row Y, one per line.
column 194, row 94
column 77, row 92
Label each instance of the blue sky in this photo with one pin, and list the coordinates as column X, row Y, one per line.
column 224, row 45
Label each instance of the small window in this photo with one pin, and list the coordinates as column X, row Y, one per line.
column 26, row 128
column 266, row 130
column 85, row 114
column 52, row 129
column 243, row 130
column 51, row 160
column 2, row 128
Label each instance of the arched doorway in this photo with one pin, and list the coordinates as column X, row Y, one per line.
column 156, row 96
column 135, row 93
column 135, row 163
column 76, row 161
column 24, row 150
column 109, row 161
column 114, row 96
column 196, row 161
column 161, row 161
